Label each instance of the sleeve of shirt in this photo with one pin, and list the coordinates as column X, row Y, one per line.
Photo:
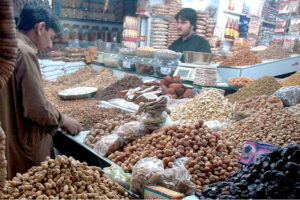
column 204, row 46
column 35, row 105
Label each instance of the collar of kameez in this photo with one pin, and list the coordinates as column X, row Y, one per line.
column 27, row 40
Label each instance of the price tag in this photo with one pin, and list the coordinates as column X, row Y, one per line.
column 254, row 150
column 126, row 64
column 165, row 70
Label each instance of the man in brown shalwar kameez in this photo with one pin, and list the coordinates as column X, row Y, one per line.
column 28, row 119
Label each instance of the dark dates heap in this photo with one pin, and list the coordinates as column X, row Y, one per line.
column 275, row 176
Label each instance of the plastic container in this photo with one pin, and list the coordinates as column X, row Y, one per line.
column 166, row 68
column 94, row 33
column 128, row 62
column 76, row 33
column 105, row 35
column 111, row 60
column 85, row 33
column 115, row 36
column 145, row 66
column 66, row 33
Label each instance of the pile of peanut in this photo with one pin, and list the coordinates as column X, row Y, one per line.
column 273, row 125
column 3, row 162
column 106, row 127
column 211, row 157
column 63, row 178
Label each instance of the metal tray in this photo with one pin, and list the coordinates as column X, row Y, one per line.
column 79, row 95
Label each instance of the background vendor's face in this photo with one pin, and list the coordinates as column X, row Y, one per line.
column 45, row 37
column 184, row 27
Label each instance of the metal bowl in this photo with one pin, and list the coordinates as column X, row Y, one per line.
column 198, row 58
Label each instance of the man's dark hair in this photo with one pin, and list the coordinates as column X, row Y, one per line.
column 188, row 14
column 35, row 12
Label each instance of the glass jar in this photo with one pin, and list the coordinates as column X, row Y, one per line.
column 78, row 3
column 94, row 33
column 85, row 33
column 115, row 35
column 65, row 33
column 104, row 34
column 76, row 32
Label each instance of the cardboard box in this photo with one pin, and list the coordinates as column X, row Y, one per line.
column 158, row 192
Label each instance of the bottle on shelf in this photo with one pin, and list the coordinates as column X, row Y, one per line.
column 231, row 5
column 233, row 28
column 237, row 32
column 228, row 29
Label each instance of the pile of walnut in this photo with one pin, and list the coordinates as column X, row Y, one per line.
column 250, row 106
column 3, row 163
column 212, row 158
column 63, row 178
column 106, row 127
column 172, row 85
column 274, row 125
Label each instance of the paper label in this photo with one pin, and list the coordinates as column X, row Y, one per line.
column 165, row 70
column 254, row 150
column 126, row 64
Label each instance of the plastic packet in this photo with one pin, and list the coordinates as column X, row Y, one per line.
column 254, row 27
column 294, row 7
column 289, row 43
column 146, row 171
column 108, row 144
column 290, row 96
column 143, row 7
column 124, row 104
column 281, row 24
column 215, row 125
column 116, row 174
column 251, row 41
column 295, row 25
column 283, row 7
column 277, row 40
column 255, row 9
column 154, row 122
column 131, row 131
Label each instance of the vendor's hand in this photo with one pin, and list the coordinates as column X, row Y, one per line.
column 71, row 125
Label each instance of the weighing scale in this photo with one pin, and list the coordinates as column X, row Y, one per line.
column 187, row 71
column 98, row 58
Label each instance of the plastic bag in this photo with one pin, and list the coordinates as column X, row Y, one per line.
column 289, row 95
column 294, row 7
column 215, row 125
column 146, row 171
column 178, row 178
column 254, row 27
column 124, row 104
column 295, row 25
column 281, row 24
column 153, row 123
column 108, row 144
column 131, row 131
column 116, row 174
column 289, row 43
column 283, row 7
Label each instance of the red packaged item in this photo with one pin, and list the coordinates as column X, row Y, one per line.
column 284, row 7
column 294, row 7
column 281, row 25
column 254, row 27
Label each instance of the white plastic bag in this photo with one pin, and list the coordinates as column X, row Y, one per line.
column 215, row 125
column 290, row 95
column 146, row 171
